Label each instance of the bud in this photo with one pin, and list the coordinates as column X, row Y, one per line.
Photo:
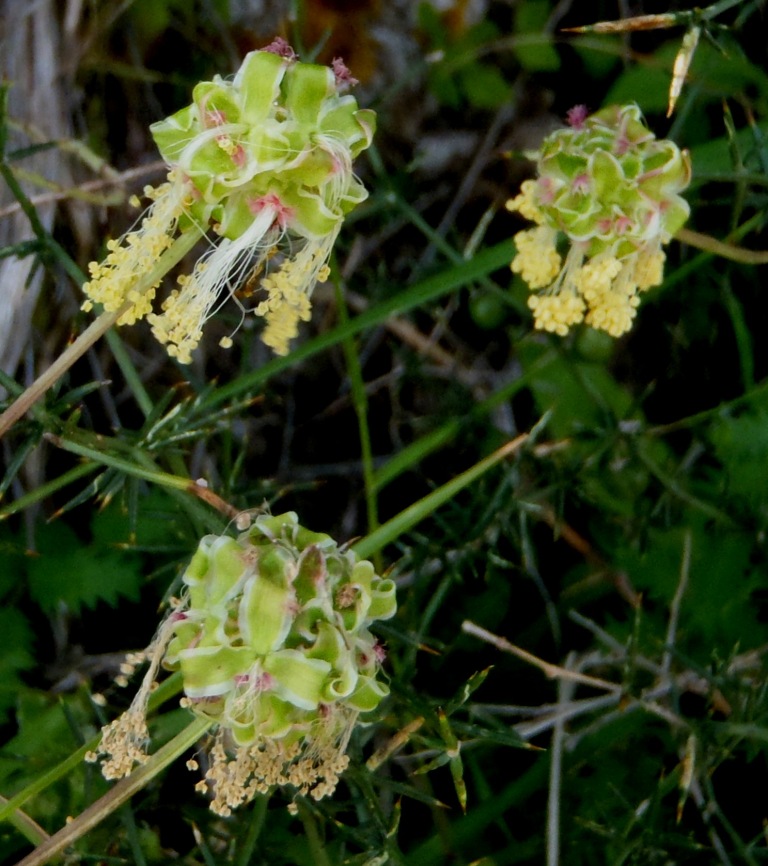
column 612, row 189
column 265, row 161
column 272, row 640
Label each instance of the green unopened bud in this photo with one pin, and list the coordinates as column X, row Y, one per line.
column 613, row 190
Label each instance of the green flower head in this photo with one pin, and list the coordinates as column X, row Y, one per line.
column 612, row 190
column 272, row 640
column 264, row 160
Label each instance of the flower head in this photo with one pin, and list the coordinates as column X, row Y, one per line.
column 265, row 162
column 612, row 189
column 272, row 640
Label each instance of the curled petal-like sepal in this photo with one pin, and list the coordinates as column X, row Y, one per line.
column 208, row 671
column 257, row 84
column 383, row 601
column 368, row 694
column 264, row 616
column 298, row 678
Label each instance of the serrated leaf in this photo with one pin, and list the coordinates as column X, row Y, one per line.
column 66, row 569
column 717, row 607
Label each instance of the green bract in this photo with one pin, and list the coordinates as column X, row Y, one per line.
column 273, row 639
column 609, row 182
column 282, row 131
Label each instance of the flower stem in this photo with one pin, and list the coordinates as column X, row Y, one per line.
column 180, row 247
column 360, row 402
column 117, row 795
column 413, row 514
column 719, row 248
column 148, row 472
column 316, row 844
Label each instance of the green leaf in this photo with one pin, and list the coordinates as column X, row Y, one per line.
column 484, row 86
column 466, row 691
column 717, row 606
column 535, row 53
column 158, row 523
column 598, row 52
column 40, row 719
column 69, row 570
column 581, row 396
column 741, row 444
column 648, row 86
column 15, row 656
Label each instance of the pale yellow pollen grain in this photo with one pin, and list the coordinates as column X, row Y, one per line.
column 525, row 203
column 557, row 313
column 226, row 144
column 537, row 260
column 614, row 314
column 595, row 278
column 113, row 280
column 649, row 268
column 123, row 744
column 288, row 290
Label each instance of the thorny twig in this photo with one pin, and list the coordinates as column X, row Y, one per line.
column 541, row 719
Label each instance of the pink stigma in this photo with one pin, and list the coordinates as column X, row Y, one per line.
column 192, row 190
column 213, row 117
column 576, row 116
column 283, row 213
column 544, row 190
column 605, row 226
column 344, row 78
column 622, row 225
column 581, row 183
column 280, row 47
column 264, row 682
column 622, row 144
column 239, row 156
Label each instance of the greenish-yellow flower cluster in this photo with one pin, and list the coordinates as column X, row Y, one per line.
column 610, row 189
column 272, row 640
column 264, row 161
